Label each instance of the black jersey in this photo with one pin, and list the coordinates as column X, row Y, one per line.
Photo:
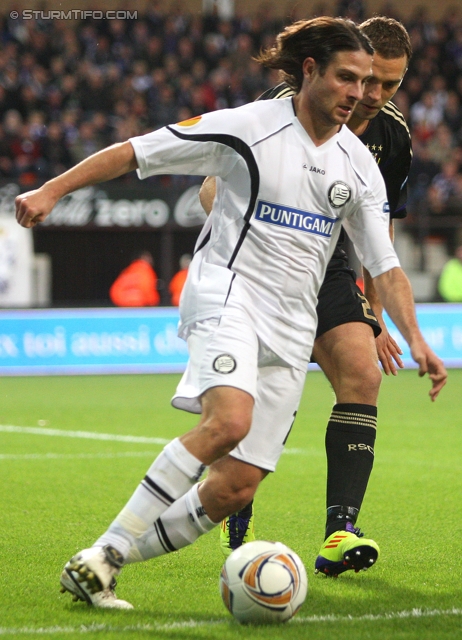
column 388, row 139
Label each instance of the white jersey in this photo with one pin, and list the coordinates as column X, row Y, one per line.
column 276, row 216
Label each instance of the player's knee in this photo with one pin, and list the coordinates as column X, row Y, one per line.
column 361, row 385
column 234, row 428
column 366, row 385
column 372, row 377
column 227, row 432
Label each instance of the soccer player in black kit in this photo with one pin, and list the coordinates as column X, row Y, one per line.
column 348, row 321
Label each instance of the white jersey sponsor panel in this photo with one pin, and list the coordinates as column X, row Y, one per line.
column 276, row 217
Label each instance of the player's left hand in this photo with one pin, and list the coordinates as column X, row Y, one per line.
column 429, row 363
column 389, row 352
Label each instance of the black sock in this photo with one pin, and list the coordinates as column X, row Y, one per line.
column 350, row 439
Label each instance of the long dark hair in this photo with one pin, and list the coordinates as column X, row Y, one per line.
column 320, row 38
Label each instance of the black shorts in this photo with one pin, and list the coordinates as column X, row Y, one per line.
column 340, row 301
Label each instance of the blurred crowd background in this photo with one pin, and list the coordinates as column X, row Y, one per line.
column 70, row 88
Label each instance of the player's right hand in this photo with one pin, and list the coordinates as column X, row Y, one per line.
column 429, row 363
column 389, row 352
column 33, row 207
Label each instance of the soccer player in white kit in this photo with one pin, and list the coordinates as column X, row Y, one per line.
column 248, row 307
column 347, row 345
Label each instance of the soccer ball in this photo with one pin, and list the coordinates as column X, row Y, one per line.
column 263, row 583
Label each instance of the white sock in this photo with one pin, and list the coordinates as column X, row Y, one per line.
column 178, row 527
column 170, row 476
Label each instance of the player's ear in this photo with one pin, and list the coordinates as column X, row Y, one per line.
column 308, row 67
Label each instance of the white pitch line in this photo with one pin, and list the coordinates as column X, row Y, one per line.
column 295, row 452
column 94, row 435
column 75, row 456
column 90, row 435
column 194, row 624
column 393, row 615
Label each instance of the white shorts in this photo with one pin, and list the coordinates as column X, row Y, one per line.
column 227, row 352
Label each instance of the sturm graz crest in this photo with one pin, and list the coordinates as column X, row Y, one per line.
column 339, row 194
column 224, row 363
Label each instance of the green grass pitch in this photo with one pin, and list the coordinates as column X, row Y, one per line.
column 59, row 493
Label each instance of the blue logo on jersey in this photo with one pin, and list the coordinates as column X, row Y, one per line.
column 295, row 218
column 386, row 207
